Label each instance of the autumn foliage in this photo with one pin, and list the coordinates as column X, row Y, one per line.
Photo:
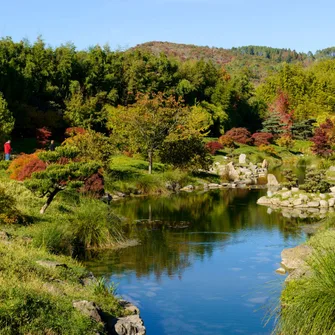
column 25, row 165
column 43, row 135
column 322, row 139
column 226, row 141
column 239, row 135
column 213, row 147
column 262, row 138
column 94, row 185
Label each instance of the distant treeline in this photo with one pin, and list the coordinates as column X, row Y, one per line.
column 59, row 87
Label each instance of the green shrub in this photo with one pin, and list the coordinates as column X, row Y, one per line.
column 9, row 214
column 4, row 165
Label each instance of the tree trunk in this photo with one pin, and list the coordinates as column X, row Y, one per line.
column 50, row 198
column 150, row 161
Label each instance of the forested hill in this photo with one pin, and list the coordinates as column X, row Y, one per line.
column 259, row 59
column 223, row 56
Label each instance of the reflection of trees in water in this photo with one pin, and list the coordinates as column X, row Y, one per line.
column 213, row 217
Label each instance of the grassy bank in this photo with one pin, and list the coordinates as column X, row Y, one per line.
column 308, row 303
column 36, row 298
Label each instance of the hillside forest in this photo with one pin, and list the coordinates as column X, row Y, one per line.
column 276, row 94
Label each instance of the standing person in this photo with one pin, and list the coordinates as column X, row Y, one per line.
column 52, row 145
column 8, row 150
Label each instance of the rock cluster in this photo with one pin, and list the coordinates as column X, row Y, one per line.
column 296, row 203
column 242, row 173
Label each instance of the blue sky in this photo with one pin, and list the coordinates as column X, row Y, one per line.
column 296, row 24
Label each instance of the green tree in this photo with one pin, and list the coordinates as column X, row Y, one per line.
column 6, row 119
column 62, row 172
column 150, row 122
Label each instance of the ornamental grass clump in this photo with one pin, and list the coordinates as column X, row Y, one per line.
column 93, row 225
column 308, row 305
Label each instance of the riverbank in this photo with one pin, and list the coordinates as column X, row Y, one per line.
column 43, row 291
column 307, row 300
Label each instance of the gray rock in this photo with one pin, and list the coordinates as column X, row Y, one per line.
column 129, row 325
column 332, row 189
column 281, row 271
column 286, row 195
column 275, row 201
column 324, row 204
column 294, row 258
column 285, row 203
column 213, row 185
column 264, row 201
column 331, row 202
column 232, row 173
column 297, row 202
column 269, row 194
column 313, row 204
column 129, row 307
column 294, row 189
column 265, row 164
column 88, row 308
column 242, row 159
column 303, row 197
column 322, row 196
column 272, row 180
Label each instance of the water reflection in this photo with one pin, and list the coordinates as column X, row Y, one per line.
column 203, row 262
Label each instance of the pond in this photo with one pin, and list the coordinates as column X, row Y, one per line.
column 206, row 263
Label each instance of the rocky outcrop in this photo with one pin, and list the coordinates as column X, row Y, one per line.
column 129, row 325
column 294, row 262
column 272, row 180
column 89, row 309
column 126, row 325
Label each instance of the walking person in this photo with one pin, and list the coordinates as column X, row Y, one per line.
column 52, row 145
column 7, row 150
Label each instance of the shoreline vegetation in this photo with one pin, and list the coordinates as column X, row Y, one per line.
column 146, row 121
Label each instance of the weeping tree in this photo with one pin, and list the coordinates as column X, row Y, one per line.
column 63, row 171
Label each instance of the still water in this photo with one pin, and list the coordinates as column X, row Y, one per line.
column 206, row 264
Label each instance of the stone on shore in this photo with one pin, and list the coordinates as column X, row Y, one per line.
column 272, row 180
column 294, row 258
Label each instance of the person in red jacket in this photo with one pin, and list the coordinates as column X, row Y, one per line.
column 8, row 150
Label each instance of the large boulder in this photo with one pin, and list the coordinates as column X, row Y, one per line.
column 242, row 159
column 88, row 308
column 272, row 180
column 129, row 325
column 265, row 164
column 294, row 258
column 232, row 173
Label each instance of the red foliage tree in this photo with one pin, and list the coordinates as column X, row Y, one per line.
column 213, row 147
column 72, row 131
column 94, row 185
column 322, row 139
column 239, row 135
column 43, row 135
column 226, row 141
column 24, row 166
column 262, row 138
